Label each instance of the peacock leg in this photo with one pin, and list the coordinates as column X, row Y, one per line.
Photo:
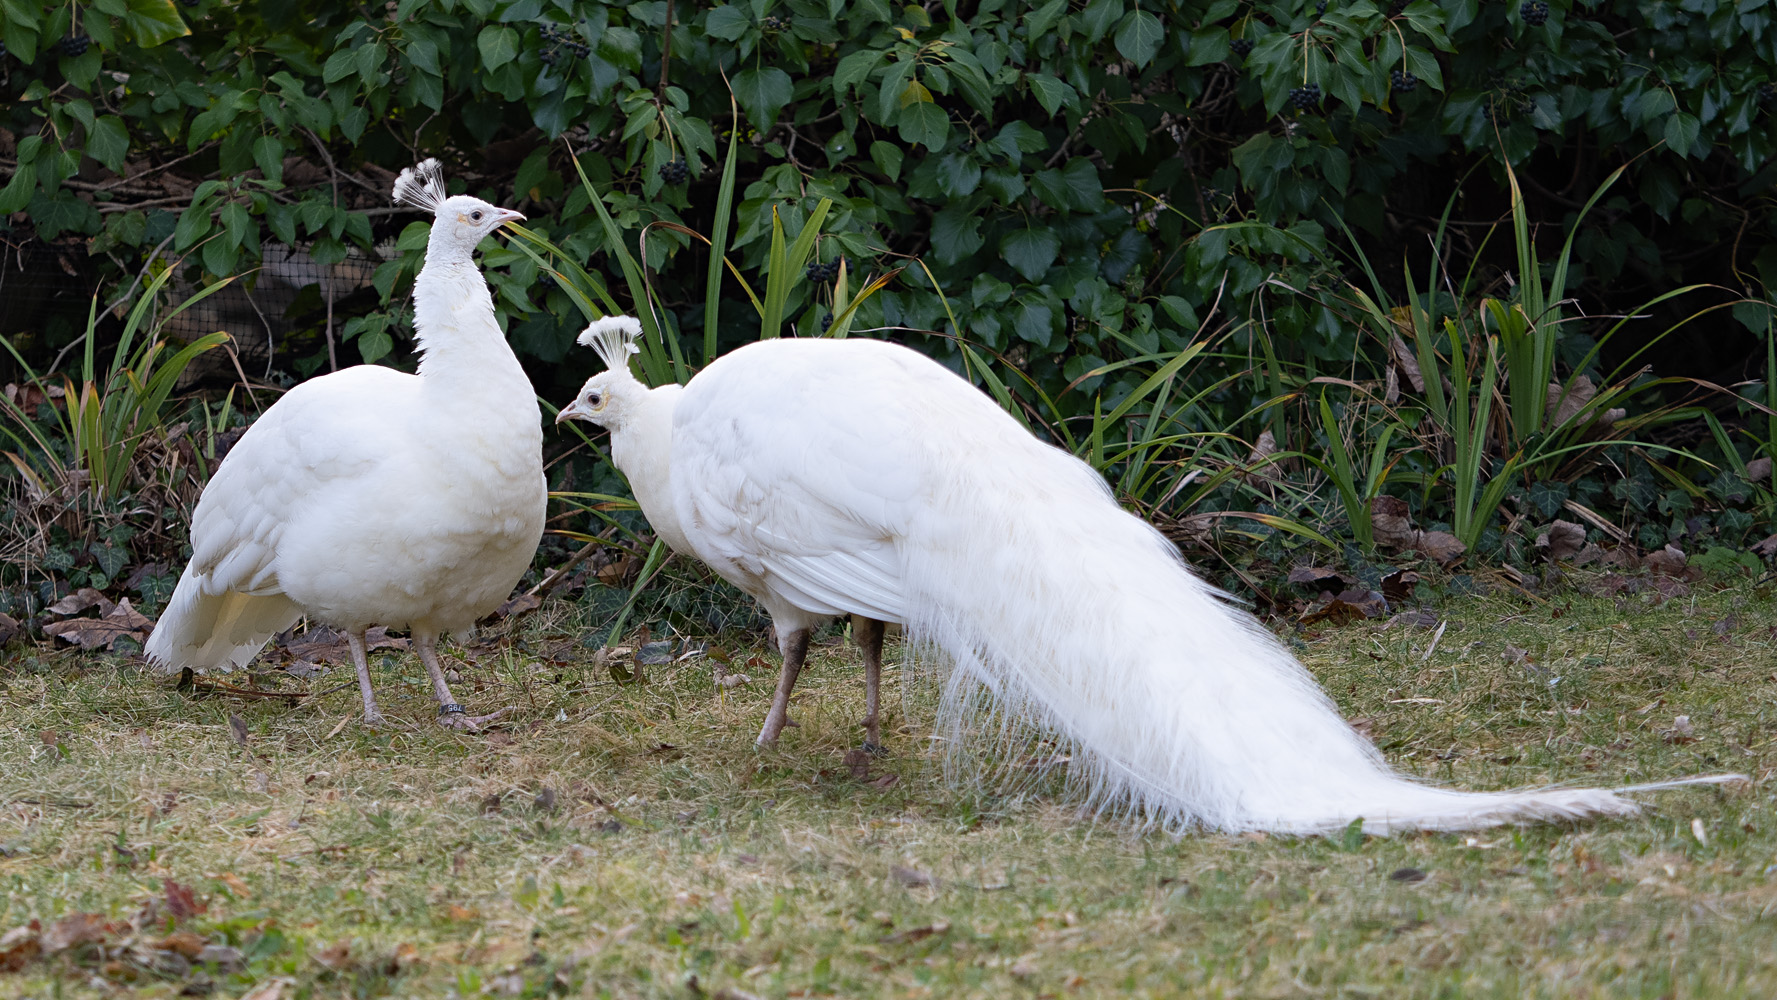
column 795, row 648
column 867, row 633
column 372, row 717
column 450, row 713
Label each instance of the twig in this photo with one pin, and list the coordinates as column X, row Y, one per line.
column 666, row 50
column 554, row 579
column 120, row 300
column 327, row 275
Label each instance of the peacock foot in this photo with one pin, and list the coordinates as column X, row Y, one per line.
column 453, row 716
column 875, row 749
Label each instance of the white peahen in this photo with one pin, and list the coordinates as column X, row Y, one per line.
column 374, row 497
column 829, row 477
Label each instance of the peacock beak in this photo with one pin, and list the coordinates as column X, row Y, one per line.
column 572, row 411
column 507, row 215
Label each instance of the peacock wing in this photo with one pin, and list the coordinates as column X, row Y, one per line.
column 297, row 460
column 794, row 473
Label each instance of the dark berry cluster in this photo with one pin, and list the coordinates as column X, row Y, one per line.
column 1534, row 12
column 1303, row 98
column 826, row 322
column 674, row 171
column 818, row 273
column 1403, row 82
column 1241, row 47
column 74, row 45
column 1767, row 94
column 557, row 40
column 1320, row 8
column 189, row 3
column 774, row 23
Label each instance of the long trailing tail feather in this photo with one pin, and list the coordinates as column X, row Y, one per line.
column 1167, row 701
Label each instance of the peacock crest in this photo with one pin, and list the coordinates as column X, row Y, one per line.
column 421, row 186
column 614, row 338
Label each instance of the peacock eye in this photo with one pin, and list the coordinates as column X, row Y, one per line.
column 594, row 399
column 475, row 216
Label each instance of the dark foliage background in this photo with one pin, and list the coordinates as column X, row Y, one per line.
column 1093, row 187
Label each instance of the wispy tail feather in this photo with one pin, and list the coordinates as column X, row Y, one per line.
column 215, row 632
column 1080, row 618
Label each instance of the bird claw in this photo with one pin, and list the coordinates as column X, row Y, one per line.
column 875, row 749
column 469, row 723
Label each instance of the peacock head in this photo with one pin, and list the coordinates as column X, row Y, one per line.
column 609, row 396
column 460, row 222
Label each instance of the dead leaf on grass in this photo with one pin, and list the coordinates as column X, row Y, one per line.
column 75, row 929
column 271, row 989
column 1681, row 732
column 80, row 600
column 1335, row 612
column 19, row 946
column 1561, row 540
column 327, row 645
column 237, row 729
column 918, row 933
column 911, row 877
column 334, row 956
column 1398, row 586
column 121, row 622
column 1669, row 561
column 1440, row 546
column 181, row 902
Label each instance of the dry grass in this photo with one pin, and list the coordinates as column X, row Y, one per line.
column 677, row 861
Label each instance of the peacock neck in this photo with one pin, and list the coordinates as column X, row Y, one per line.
column 642, row 451
column 463, row 351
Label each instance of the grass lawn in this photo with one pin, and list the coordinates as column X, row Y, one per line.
column 626, row 841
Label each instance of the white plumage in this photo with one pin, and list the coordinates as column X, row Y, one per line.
column 373, row 497
column 829, row 477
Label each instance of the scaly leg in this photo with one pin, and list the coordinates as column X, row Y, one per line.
column 794, row 648
column 450, row 713
column 372, row 718
column 867, row 633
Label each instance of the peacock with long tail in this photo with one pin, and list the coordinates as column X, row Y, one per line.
column 833, row 477
column 374, row 497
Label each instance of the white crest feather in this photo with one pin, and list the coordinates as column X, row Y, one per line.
column 422, row 186
column 614, row 338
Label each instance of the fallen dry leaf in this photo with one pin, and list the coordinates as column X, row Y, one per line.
column 1335, row 612
column 74, row 929
column 80, row 600
column 1390, row 522
column 911, row 877
column 122, row 621
column 183, row 942
column 1757, row 469
column 334, row 956
column 918, row 933
column 1669, row 561
column 9, row 627
column 181, row 902
column 1440, row 546
column 1561, row 540
column 326, row 645
column 271, row 989
column 19, row 946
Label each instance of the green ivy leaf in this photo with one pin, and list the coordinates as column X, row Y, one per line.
column 108, row 141
column 762, row 93
column 956, row 234
column 925, row 123
column 727, row 23
column 1030, row 251
column 152, row 22
column 1681, row 132
column 498, row 45
column 1051, row 93
column 1139, row 37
